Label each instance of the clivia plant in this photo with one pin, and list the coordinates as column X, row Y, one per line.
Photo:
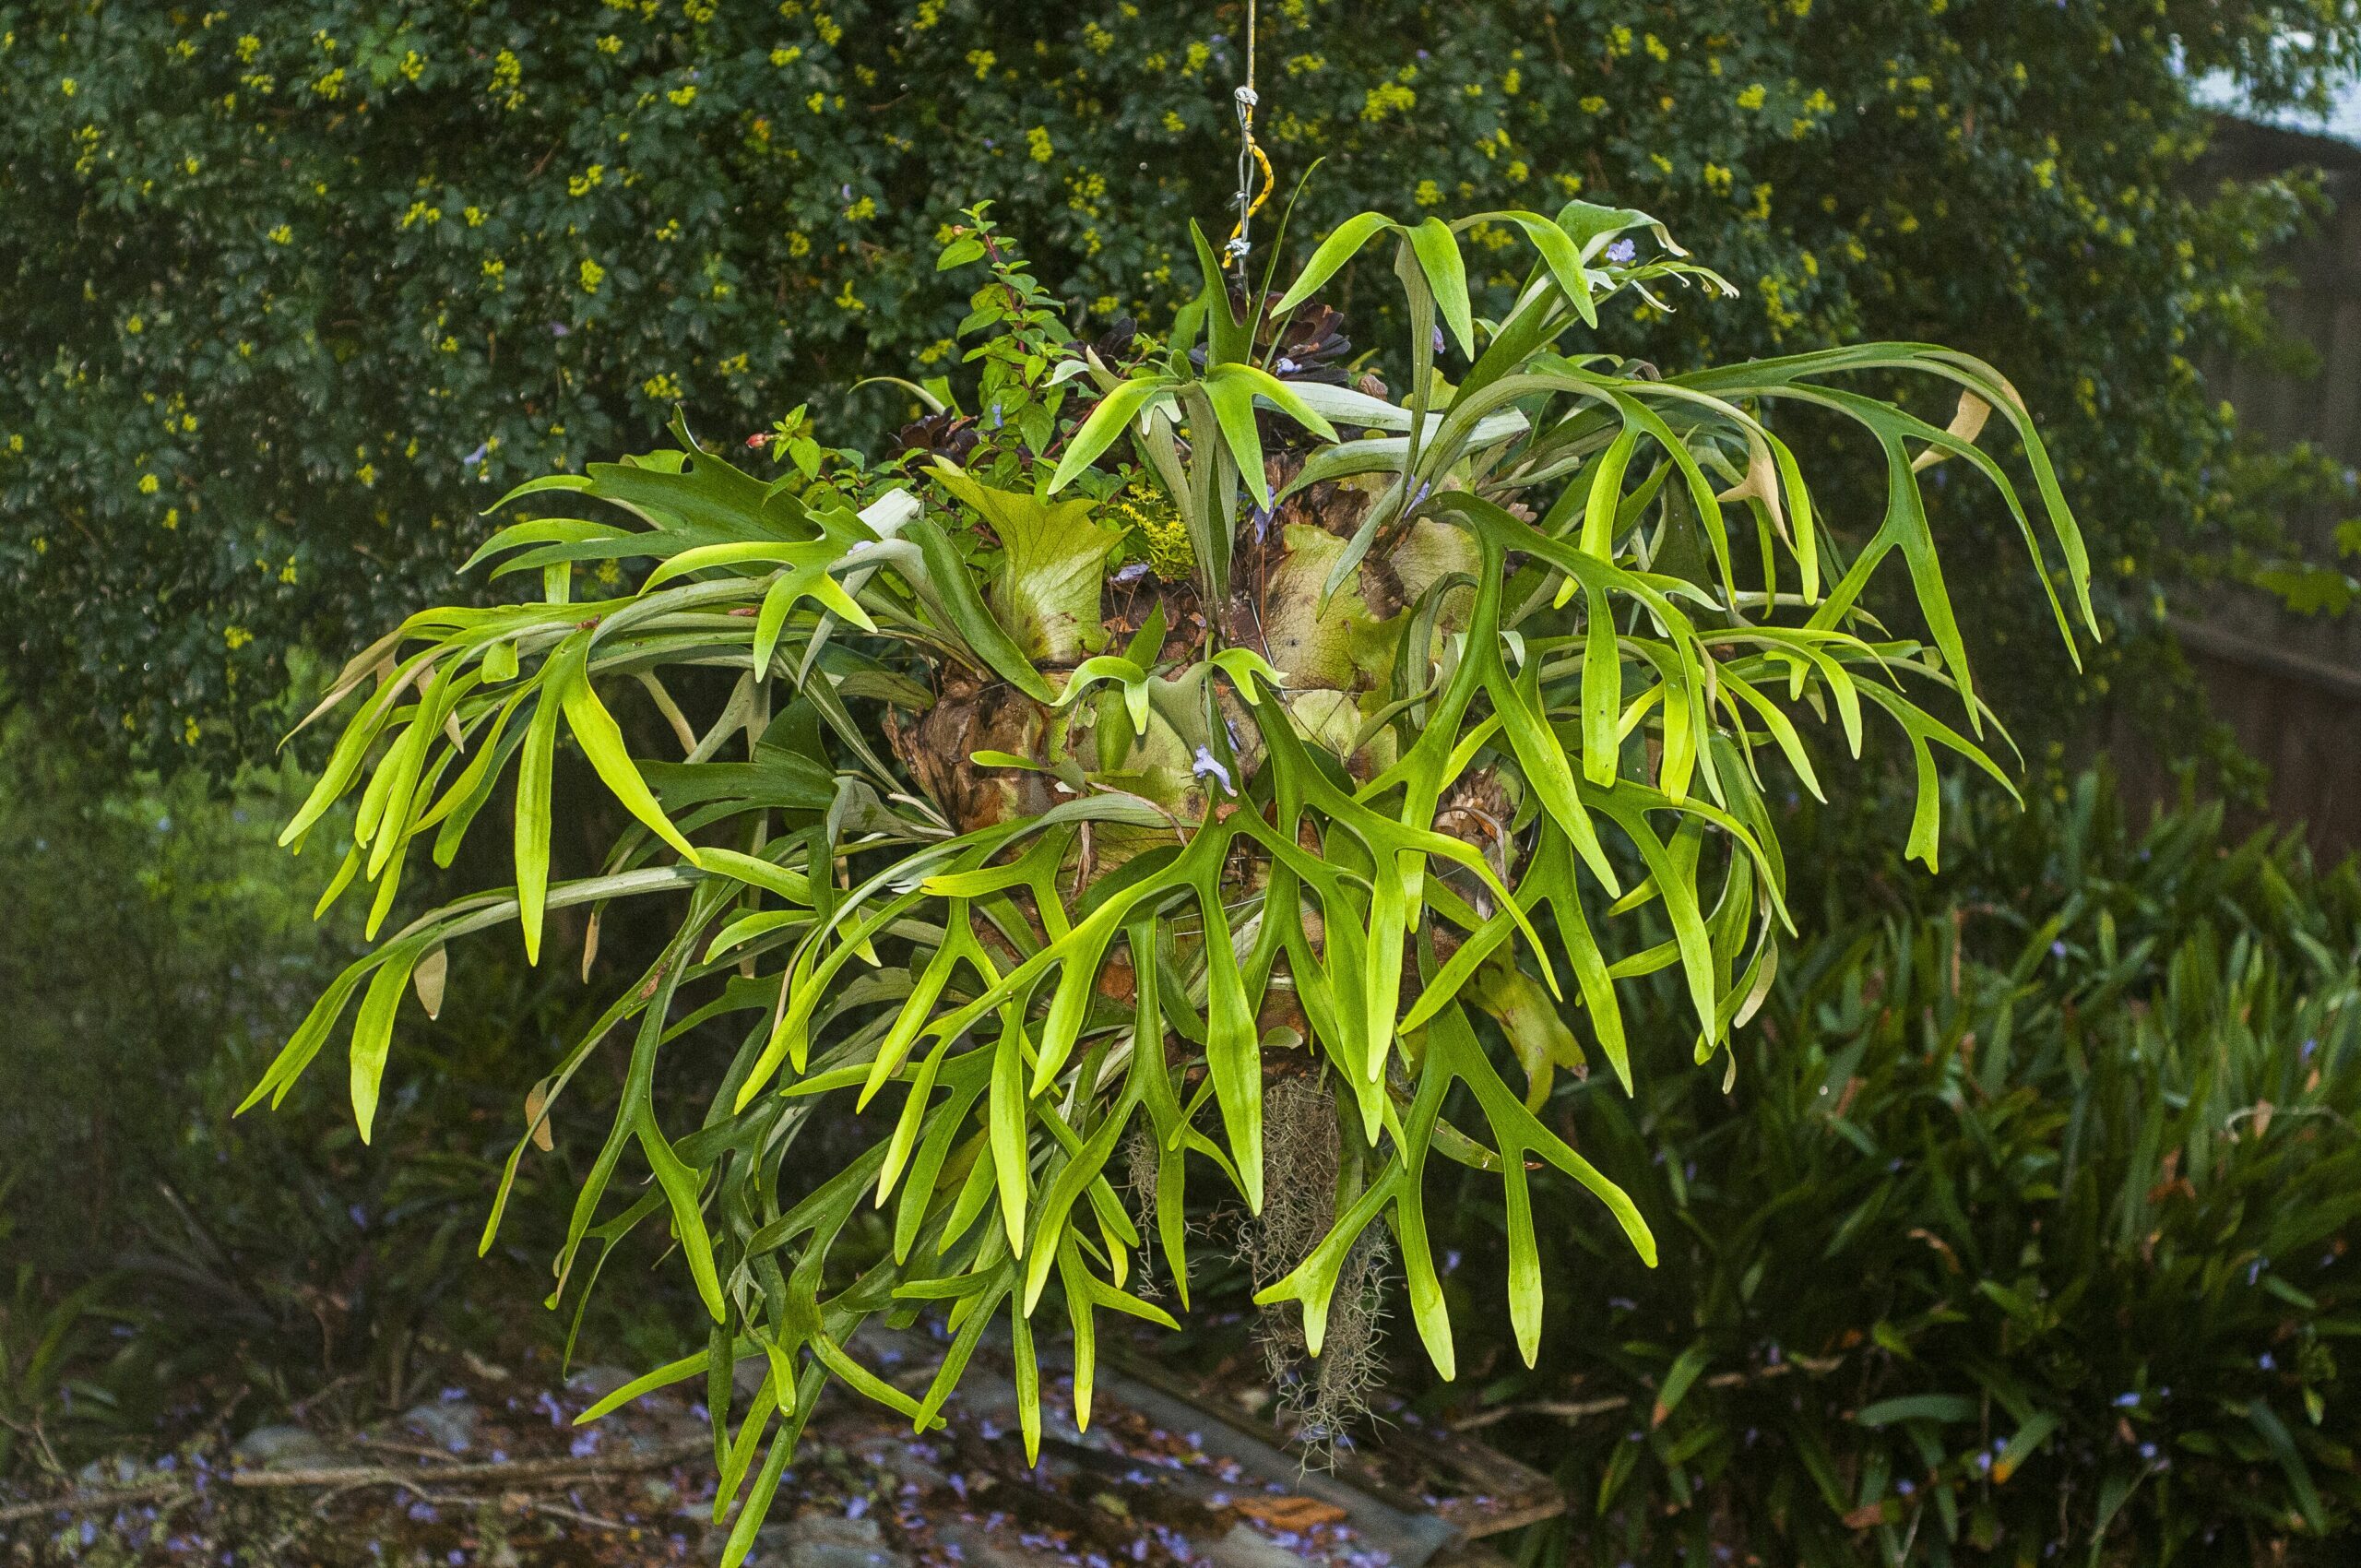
column 1181, row 759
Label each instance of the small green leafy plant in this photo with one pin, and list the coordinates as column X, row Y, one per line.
column 1188, row 716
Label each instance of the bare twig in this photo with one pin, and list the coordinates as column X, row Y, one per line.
column 559, row 1511
column 415, row 1450
column 1581, row 1410
column 506, row 1471
column 91, row 1502
column 511, row 1474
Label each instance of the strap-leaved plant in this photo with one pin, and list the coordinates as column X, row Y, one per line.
column 1179, row 717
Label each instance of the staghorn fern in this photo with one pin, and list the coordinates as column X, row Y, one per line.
column 1187, row 721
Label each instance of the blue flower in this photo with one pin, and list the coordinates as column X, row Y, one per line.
column 1622, row 251
column 1207, row 765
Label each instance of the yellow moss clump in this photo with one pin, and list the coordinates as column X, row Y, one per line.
column 1153, row 529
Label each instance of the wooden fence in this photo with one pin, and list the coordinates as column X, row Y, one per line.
column 2288, row 684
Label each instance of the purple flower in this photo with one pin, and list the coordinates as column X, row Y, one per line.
column 1622, row 251
column 1207, row 765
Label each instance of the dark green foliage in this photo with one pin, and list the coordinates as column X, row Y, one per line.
column 158, row 1258
column 293, row 291
column 2026, row 1225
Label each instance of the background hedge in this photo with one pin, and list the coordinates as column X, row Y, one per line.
column 290, row 291
column 2024, row 1236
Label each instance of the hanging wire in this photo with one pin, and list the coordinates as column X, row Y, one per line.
column 1250, row 158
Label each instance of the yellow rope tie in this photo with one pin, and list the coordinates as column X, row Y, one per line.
column 1250, row 158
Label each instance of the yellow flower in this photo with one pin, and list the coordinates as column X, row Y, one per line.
column 1387, row 97
column 236, row 636
column 592, row 275
column 1037, row 142
column 148, row 484
column 281, row 235
column 1753, row 97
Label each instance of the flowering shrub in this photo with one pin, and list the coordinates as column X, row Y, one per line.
column 294, row 292
column 1177, row 754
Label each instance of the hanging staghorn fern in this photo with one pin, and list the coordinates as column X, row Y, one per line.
column 1183, row 721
